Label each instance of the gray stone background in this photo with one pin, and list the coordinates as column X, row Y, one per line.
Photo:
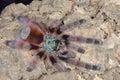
column 103, row 22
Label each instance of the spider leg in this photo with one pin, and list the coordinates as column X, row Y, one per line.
column 32, row 63
column 26, row 22
column 81, row 39
column 76, row 48
column 43, row 27
column 55, row 23
column 69, row 54
column 35, row 59
column 78, row 63
column 57, row 64
column 59, row 26
column 70, row 26
column 20, row 44
column 17, row 44
column 64, row 51
column 54, row 26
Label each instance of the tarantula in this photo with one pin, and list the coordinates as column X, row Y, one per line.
column 50, row 42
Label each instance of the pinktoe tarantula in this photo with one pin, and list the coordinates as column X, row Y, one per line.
column 51, row 43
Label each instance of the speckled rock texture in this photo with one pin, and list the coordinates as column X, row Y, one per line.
column 102, row 22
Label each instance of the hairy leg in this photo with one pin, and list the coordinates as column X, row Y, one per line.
column 54, row 26
column 78, row 63
column 20, row 44
column 57, row 64
column 32, row 63
column 35, row 59
column 59, row 27
column 26, row 22
column 65, row 51
column 55, row 23
column 43, row 27
column 81, row 39
column 17, row 44
column 76, row 48
column 70, row 26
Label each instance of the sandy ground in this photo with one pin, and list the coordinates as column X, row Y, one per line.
column 102, row 22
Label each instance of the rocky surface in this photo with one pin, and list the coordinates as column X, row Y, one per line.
column 102, row 22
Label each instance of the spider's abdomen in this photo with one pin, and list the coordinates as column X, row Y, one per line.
column 34, row 34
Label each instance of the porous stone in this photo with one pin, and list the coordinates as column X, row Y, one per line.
column 15, row 9
column 35, row 5
column 102, row 22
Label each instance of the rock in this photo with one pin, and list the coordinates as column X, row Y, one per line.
column 35, row 5
column 111, row 75
column 112, row 41
column 62, row 6
column 112, row 10
column 56, row 16
column 80, row 78
column 102, row 21
column 97, row 78
column 64, row 75
column 15, row 10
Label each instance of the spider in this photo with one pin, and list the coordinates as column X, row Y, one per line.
column 51, row 43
